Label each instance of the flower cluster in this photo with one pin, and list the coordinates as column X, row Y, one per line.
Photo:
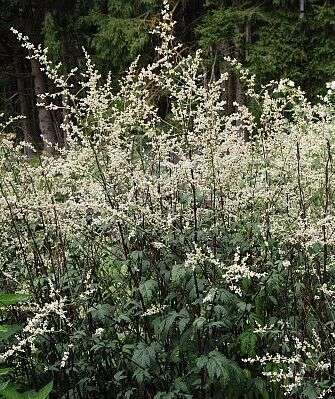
column 201, row 224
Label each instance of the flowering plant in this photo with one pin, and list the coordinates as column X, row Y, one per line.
column 178, row 256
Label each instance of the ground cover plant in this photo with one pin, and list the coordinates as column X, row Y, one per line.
column 184, row 256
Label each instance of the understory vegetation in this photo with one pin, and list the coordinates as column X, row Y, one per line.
column 189, row 255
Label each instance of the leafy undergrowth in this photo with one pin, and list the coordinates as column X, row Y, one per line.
column 190, row 256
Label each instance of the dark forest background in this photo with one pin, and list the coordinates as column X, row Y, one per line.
column 274, row 38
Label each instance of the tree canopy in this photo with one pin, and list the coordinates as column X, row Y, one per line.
column 273, row 38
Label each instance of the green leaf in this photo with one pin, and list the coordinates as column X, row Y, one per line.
column 8, row 330
column 101, row 312
column 3, row 385
column 219, row 367
column 11, row 299
column 260, row 387
column 10, row 392
column 119, row 376
column 310, row 392
column 147, row 289
column 141, row 375
column 129, row 393
column 179, row 274
column 199, row 322
column 164, row 324
column 180, row 385
column 215, row 365
column 144, row 354
column 248, row 340
column 184, row 320
column 44, row 392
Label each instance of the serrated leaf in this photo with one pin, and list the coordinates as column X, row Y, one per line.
column 178, row 274
column 144, row 355
column 101, row 311
column 310, row 392
column 183, row 321
column 141, row 375
column 219, row 367
column 180, row 385
column 248, row 340
column 147, row 289
column 165, row 324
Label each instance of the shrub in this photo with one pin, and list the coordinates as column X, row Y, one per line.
column 190, row 256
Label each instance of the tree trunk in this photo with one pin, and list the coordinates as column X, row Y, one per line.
column 30, row 132
column 302, row 8
column 45, row 119
column 186, row 13
column 247, row 38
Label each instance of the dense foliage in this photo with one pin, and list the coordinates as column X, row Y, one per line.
column 275, row 39
column 190, row 256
